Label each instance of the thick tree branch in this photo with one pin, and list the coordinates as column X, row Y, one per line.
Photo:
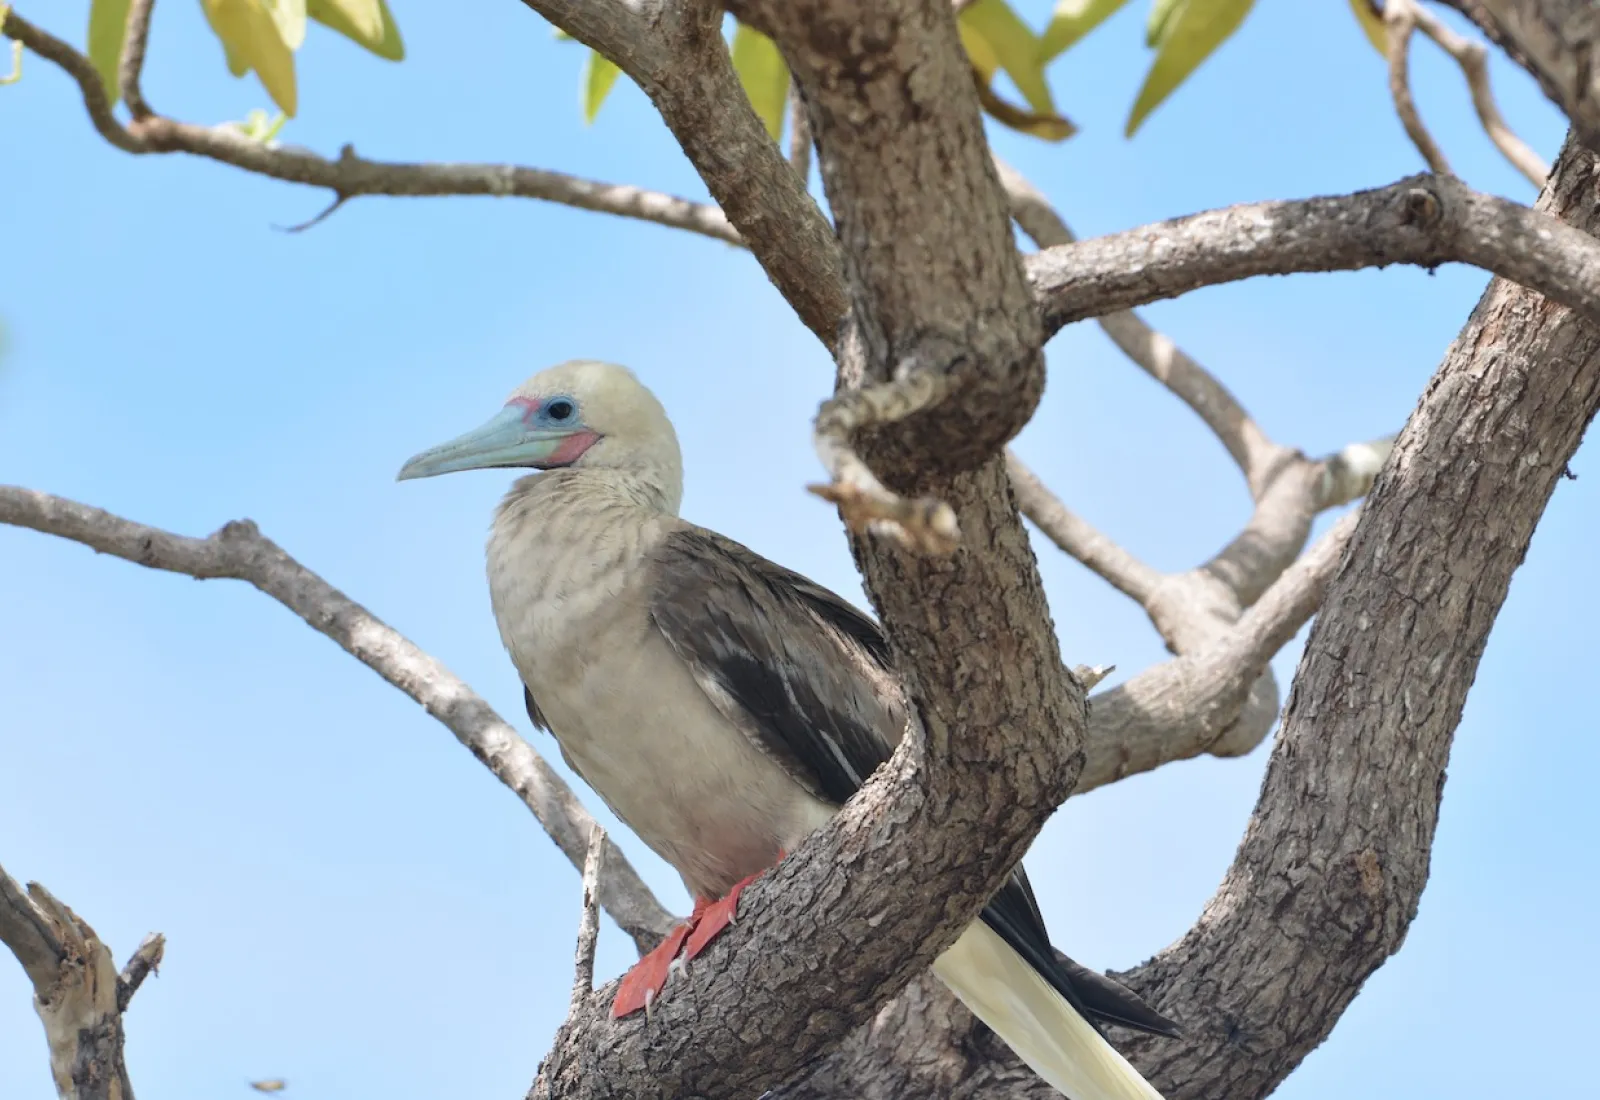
column 1327, row 878
column 1336, row 855
column 351, row 176
column 1425, row 220
column 76, row 990
column 677, row 55
column 929, row 296
column 240, row 552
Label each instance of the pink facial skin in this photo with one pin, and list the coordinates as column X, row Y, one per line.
column 571, row 448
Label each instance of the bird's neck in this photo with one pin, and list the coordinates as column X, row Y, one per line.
column 592, row 489
column 563, row 546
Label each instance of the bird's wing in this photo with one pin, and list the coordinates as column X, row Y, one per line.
column 795, row 667
column 807, row 677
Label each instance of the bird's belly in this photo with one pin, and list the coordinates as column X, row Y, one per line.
column 639, row 731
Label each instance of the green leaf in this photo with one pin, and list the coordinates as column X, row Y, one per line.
column 108, row 26
column 1160, row 17
column 289, row 16
column 1372, row 24
column 368, row 23
column 599, row 74
column 252, row 39
column 1190, row 34
column 1014, row 48
column 982, row 56
column 763, row 73
column 1072, row 20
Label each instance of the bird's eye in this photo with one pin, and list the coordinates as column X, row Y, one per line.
column 560, row 409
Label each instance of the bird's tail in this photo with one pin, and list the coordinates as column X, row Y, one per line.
column 1036, row 1022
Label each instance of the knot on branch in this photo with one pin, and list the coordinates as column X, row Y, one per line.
column 1421, row 208
column 237, row 530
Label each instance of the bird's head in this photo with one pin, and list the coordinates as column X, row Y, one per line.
column 580, row 413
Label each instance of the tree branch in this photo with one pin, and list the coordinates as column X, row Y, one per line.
column 1400, row 20
column 1192, row 705
column 1078, row 538
column 1424, row 220
column 240, row 552
column 130, row 67
column 1251, row 449
column 351, row 176
column 76, row 990
column 1336, row 855
column 680, row 60
column 1556, row 41
column 1473, row 58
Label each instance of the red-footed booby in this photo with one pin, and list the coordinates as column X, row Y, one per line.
column 723, row 706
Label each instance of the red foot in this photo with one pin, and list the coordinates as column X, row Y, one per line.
column 644, row 983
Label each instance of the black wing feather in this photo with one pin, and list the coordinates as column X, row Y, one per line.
column 714, row 604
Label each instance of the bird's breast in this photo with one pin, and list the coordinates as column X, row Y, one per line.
column 636, row 726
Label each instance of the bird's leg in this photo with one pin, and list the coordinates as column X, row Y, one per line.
column 642, row 984
column 714, row 916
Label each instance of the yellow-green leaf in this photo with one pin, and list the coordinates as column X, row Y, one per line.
column 289, row 16
column 252, row 40
column 1190, row 34
column 108, row 26
column 1014, row 48
column 1161, row 12
column 983, row 58
column 1372, row 23
column 368, row 23
column 599, row 74
column 764, row 74
column 1072, row 20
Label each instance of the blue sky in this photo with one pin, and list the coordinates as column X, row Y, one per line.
column 352, row 902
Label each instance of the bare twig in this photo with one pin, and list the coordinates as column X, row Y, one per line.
column 239, row 551
column 353, row 176
column 1079, row 539
column 589, row 922
column 1473, row 58
column 145, row 961
column 1154, row 353
column 1400, row 20
column 130, row 67
column 923, row 524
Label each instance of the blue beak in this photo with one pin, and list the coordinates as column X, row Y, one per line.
column 506, row 440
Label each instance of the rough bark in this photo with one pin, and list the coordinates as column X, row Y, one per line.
column 1329, row 874
column 1558, row 43
column 934, row 290
column 78, row 993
